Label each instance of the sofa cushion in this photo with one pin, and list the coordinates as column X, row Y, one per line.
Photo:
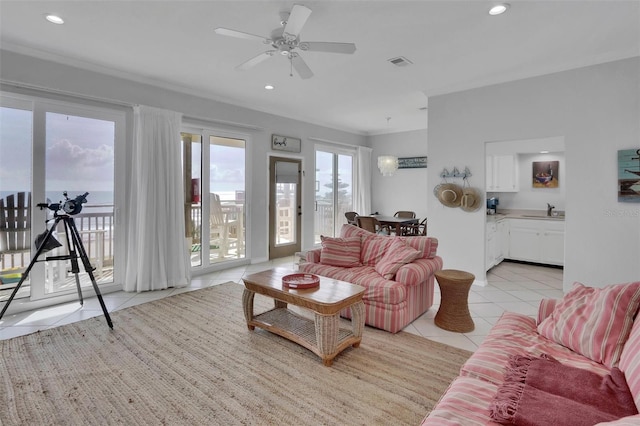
column 594, row 322
column 373, row 248
column 516, row 334
column 630, row 362
column 418, row 271
column 397, row 255
column 348, row 230
column 344, row 252
column 545, row 308
column 427, row 246
column 335, row 272
column 465, row 403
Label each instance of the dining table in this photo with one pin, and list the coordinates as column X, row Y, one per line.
column 396, row 222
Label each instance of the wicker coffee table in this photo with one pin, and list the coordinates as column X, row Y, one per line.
column 321, row 335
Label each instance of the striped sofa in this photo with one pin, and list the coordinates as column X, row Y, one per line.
column 394, row 298
column 604, row 331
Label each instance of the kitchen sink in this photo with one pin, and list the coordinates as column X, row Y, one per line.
column 533, row 216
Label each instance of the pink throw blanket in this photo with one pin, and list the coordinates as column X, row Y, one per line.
column 542, row 392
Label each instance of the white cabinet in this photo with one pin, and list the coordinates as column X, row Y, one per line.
column 490, row 246
column 497, row 242
column 553, row 246
column 502, row 173
column 540, row 241
column 502, row 240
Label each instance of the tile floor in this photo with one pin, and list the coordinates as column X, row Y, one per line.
column 511, row 286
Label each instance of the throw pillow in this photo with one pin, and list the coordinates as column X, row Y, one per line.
column 397, row 254
column 595, row 322
column 374, row 248
column 344, row 252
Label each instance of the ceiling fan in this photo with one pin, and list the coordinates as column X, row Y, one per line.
column 286, row 41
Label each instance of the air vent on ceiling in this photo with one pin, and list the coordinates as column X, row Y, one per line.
column 400, row 61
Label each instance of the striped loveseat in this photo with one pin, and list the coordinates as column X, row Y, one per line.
column 594, row 330
column 397, row 273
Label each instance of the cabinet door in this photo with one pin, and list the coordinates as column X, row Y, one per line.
column 490, row 246
column 490, row 179
column 506, row 173
column 552, row 244
column 524, row 242
column 501, row 244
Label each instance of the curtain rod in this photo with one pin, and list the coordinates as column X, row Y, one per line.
column 209, row 121
column 47, row 90
column 311, row 138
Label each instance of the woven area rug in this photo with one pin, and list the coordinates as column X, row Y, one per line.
column 190, row 359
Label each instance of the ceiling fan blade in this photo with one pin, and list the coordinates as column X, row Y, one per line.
column 295, row 22
column 301, row 67
column 240, row 34
column 256, row 60
column 321, row 46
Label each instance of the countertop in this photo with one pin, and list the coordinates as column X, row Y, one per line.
column 525, row 214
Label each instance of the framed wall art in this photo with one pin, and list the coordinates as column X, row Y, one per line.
column 285, row 143
column 412, row 162
column 545, row 174
column 629, row 175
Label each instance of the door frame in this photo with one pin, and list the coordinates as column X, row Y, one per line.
column 205, row 130
column 289, row 249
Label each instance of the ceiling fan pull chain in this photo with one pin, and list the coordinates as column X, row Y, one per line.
column 290, row 66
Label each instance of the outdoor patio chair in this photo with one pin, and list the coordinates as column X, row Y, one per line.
column 15, row 229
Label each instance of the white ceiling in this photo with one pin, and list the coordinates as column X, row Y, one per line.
column 454, row 45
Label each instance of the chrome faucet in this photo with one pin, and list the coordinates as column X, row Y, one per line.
column 549, row 208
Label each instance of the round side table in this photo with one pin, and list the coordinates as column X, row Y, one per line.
column 453, row 314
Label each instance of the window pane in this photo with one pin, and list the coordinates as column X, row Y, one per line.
column 227, row 196
column 324, row 217
column 15, row 177
column 80, row 158
column 345, row 189
column 192, row 168
column 286, row 192
column 334, row 192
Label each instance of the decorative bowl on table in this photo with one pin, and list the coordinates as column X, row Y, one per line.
column 543, row 178
column 298, row 281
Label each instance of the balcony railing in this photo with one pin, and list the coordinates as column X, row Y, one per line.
column 96, row 230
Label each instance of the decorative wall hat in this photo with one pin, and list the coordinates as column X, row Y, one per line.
column 471, row 199
column 450, row 194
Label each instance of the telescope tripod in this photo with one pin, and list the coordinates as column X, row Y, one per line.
column 76, row 251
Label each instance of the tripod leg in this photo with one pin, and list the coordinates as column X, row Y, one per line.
column 74, row 259
column 34, row 259
column 87, row 267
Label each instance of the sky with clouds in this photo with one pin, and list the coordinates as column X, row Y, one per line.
column 79, row 152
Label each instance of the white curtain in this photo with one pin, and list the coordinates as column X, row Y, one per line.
column 157, row 256
column 362, row 186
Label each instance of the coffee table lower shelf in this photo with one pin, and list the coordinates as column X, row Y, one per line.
column 321, row 336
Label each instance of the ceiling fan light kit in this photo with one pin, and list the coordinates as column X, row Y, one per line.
column 286, row 40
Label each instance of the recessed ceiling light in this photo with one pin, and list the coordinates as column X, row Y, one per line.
column 544, row 152
column 54, row 19
column 269, row 87
column 499, row 9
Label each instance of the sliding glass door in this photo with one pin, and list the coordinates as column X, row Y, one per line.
column 50, row 151
column 334, row 191
column 215, row 204
column 16, row 134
